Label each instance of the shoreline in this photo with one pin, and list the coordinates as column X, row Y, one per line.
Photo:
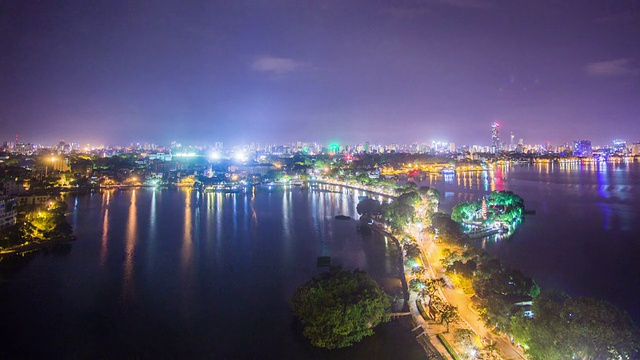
column 400, row 264
column 430, row 347
column 428, row 336
column 352, row 187
column 34, row 246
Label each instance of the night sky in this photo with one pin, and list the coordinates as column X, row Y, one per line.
column 114, row 72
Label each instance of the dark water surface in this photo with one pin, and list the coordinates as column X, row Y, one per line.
column 180, row 274
column 175, row 273
column 585, row 236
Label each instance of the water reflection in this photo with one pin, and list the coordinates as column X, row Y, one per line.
column 105, row 239
column 130, row 244
column 498, row 184
column 187, row 240
column 234, row 209
column 106, row 198
column 186, row 257
column 286, row 221
column 152, row 215
column 151, row 247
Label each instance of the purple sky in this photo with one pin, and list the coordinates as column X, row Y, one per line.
column 350, row 71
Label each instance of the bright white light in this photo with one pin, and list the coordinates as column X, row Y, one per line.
column 240, row 156
column 215, row 155
column 190, row 154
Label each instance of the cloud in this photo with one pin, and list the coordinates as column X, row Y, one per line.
column 617, row 67
column 277, row 65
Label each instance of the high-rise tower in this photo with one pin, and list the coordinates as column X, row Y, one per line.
column 495, row 137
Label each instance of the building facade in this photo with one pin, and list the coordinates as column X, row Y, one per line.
column 496, row 145
column 8, row 211
column 582, row 148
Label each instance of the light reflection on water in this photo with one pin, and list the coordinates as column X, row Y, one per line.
column 587, row 213
column 177, row 273
column 187, row 240
column 130, row 241
column 106, row 197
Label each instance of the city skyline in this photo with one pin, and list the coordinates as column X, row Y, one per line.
column 347, row 72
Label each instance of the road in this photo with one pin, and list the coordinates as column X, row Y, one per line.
column 464, row 304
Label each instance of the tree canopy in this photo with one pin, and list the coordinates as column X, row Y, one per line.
column 340, row 307
column 369, row 207
column 398, row 214
column 564, row 328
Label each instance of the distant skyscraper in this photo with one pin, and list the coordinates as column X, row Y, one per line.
column 582, row 148
column 620, row 145
column 495, row 137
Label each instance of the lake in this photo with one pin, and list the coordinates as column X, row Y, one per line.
column 585, row 236
column 184, row 274
column 178, row 273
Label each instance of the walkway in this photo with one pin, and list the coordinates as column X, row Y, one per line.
column 465, row 308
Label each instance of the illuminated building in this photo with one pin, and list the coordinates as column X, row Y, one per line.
column 495, row 137
column 582, row 148
column 620, row 146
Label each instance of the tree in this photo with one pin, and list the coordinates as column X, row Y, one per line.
column 411, row 186
column 398, row 214
column 448, row 314
column 340, row 307
column 600, row 330
column 363, row 178
column 434, row 193
column 430, row 286
column 463, row 212
column 430, row 198
column 423, row 191
column 416, row 284
column 411, row 249
column 369, row 207
column 448, row 231
column 566, row 328
column 411, row 198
